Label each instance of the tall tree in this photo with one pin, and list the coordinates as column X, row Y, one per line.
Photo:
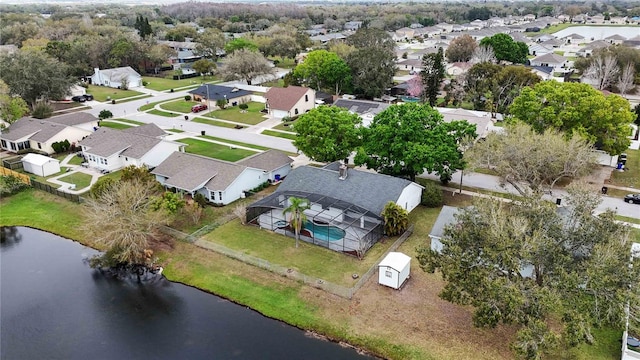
column 396, row 219
column 626, row 79
column 508, row 84
column 432, row 74
column 324, row 70
column 204, row 66
column 409, row 139
column 327, row 133
column 296, row 207
column 556, row 274
column 576, row 109
column 479, row 82
column 12, row 108
column 483, row 53
column 373, row 62
column 209, row 43
column 239, row 44
column 532, row 162
column 35, row 75
column 246, row 65
column 461, row 48
column 506, row 48
column 603, row 71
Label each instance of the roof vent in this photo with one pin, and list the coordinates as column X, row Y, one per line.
column 342, row 171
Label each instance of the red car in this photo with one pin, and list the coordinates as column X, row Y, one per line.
column 198, row 108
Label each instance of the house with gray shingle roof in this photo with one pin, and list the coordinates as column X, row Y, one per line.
column 110, row 149
column 40, row 134
column 557, row 62
column 367, row 110
column 344, row 205
column 221, row 182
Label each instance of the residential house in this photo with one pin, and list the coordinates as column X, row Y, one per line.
column 544, row 72
column 543, row 37
column 529, row 17
column 323, row 39
column 352, row 25
column 119, row 78
column 478, row 24
column 344, row 205
column 411, row 65
column 557, row 62
column 495, row 22
column 185, row 53
column 537, row 49
column 110, row 149
column 290, row 101
column 554, row 43
column 367, row 110
column 458, row 68
column 586, row 51
column 40, row 134
column 579, row 19
column 596, row 19
column 446, row 27
column 221, row 182
column 615, row 39
column 404, row 33
column 481, row 119
column 210, row 94
column 574, row 39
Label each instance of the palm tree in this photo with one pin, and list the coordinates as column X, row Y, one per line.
column 396, row 219
column 297, row 206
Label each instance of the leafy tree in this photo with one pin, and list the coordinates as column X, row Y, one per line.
column 35, row 76
column 239, row 44
column 396, row 219
column 432, row 195
column 323, row 70
column 42, row 110
column 101, row 186
column 415, row 87
column 493, row 87
column 169, row 202
column 284, row 45
column 58, row 49
column 576, row 109
column 143, row 27
column 296, row 207
column 341, row 49
column 479, row 82
column 245, row 65
column 461, row 48
column 12, row 108
column 221, row 103
column 327, row 133
column 479, row 13
column 105, row 114
column 180, row 32
column 505, row 48
column 409, row 139
column 522, row 156
column 432, row 74
column 204, row 66
column 159, row 55
column 373, row 63
column 209, row 43
column 525, row 263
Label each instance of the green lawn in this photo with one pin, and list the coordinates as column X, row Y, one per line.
column 627, row 219
column 162, row 113
column 551, row 29
column 233, row 113
column 130, row 121
column 284, row 63
column 180, row 106
column 630, row 177
column 212, row 122
column 279, row 134
column 114, row 125
column 101, row 93
column 273, row 83
column 162, row 84
column 76, row 160
column 175, row 131
column 150, row 106
column 81, row 180
column 286, row 126
column 215, row 151
column 257, row 147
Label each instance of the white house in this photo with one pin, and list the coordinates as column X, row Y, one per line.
column 110, row 150
column 557, row 62
column 290, row 101
column 221, row 182
column 40, row 134
column 367, row 110
column 122, row 77
column 394, row 270
column 40, row 165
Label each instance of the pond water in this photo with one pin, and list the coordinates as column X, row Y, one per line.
column 599, row 32
column 55, row 307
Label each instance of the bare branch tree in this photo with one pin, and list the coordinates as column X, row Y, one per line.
column 483, row 54
column 625, row 81
column 603, row 71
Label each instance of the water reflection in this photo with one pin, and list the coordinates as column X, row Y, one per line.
column 55, row 307
column 9, row 236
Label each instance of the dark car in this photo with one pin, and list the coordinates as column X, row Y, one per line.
column 79, row 98
column 198, row 108
column 88, row 97
column 632, row 198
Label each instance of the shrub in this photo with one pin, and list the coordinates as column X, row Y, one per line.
column 221, row 103
column 83, row 84
column 187, row 98
column 432, row 195
column 105, row 114
column 145, row 83
column 200, row 199
column 396, row 219
column 101, row 186
column 42, row 111
column 243, row 106
column 10, row 185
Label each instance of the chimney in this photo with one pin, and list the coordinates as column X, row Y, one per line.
column 342, row 171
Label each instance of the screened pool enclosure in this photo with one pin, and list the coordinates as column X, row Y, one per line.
column 332, row 223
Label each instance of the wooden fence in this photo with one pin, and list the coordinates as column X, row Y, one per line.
column 50, row 189
column 8, row 172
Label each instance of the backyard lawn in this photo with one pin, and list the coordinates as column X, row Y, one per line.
column 631, row 176
column 151, row 105
column 114, row 125
column 233, row 113
column 289, row 136
column 81, row 180
column 101, row 93
column 216, row 151
column 162, row 84
column 180, row 106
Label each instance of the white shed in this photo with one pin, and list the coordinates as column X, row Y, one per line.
column 394, row 270
column 40, row 165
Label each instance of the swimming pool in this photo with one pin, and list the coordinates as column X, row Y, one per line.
column 324, row 232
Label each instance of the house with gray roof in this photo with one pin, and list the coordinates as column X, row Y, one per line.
column 344, row 205
column 221, row 182
column 110, row 149
column 119, row 78
column 39, row 134
column 367, row 110
column 557, row 62
column 208, row 93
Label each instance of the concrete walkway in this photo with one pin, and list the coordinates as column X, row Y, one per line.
column 65, row 186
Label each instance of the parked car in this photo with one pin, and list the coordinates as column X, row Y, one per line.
column 198, row 108
column 88, row 97
column 79, row 98
column 632, row 198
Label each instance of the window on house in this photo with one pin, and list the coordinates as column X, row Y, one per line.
column 220, row 195
column 106, row 162
column 39, row 146
column 295, row 111
column 388, row 274
column 4, row 144
column 13, row 146
column 306, row 98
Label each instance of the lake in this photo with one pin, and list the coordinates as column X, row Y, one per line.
column 55, row 307
column 599, row 32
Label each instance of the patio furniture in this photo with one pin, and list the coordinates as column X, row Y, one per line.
column 633, row 342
